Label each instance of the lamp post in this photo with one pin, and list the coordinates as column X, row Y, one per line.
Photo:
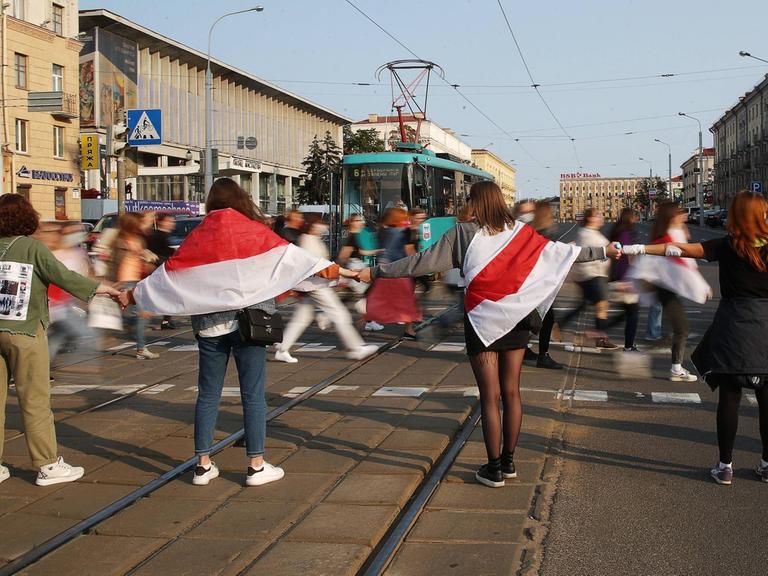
column 209, row 100
column 669, row 158
column 748, row 55
column 700, row 180
column 650, row 183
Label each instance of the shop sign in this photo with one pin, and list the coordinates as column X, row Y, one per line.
column 25, row 172
column 576, row 175
column 192, row 208
column 89, row 151
column 244, row 163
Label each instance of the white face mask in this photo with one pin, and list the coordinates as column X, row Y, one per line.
column 526, row 218
column 72, row 240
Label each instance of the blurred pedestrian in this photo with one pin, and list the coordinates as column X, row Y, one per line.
column 352, row 256
column 28, row 270
column 417, row 217
column 731, row 356
column 292, row 227
column 624, row 232
column 525, row 211
column 496, row 326
column 159, row 243
column 324, row 298
column 392, row 300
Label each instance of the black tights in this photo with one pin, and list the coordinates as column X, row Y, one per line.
column 498, row 378
column 728, row 418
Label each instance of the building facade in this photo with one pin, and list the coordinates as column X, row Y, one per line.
column 261, row 132
column 580, row 191
column 690, row 170
column 677, row 188
column 741, row 145
column 430, row 135
column 40, row 128
column 503, row 173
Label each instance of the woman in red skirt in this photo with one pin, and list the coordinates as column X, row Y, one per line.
column 392, row 300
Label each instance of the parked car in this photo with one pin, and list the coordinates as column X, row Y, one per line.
column 184, row 227
column 693, row 215
column 716, row 218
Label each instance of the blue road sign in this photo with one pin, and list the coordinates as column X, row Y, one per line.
column 145, row 127
column 756, row 186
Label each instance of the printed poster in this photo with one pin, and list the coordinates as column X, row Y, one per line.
column 15, row 290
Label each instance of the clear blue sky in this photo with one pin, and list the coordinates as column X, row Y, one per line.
column 563, row 41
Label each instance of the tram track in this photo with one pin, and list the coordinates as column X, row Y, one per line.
column 83, row 526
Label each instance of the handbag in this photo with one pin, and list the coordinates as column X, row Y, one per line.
column 258, row 328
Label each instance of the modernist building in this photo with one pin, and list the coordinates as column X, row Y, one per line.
column 690, row 170
column 40, row 129
column 579, row 191
column 741, row 144
column 441, row 141
column 503, row 173
column 124, row 65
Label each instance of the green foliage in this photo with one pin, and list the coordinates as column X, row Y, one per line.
column 362, row 141
column 394, row 135
column 321, row 165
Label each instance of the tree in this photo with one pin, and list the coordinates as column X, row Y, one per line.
column 394, row 135
column 321, row 165
column 643, row 201
column 362, row 141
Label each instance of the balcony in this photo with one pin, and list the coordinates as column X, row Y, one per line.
column 59, row 104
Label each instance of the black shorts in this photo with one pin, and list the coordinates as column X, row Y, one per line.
column 736, row 380
column 515, row 339
column 595, row 289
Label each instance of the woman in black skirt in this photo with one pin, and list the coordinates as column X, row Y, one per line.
column 496, row 366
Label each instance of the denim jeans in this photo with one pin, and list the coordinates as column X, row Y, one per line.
column 653, row 330
column 136, row 320
column 251, row 371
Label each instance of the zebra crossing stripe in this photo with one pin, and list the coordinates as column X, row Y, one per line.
column 675, row 398
column 448, row 347
column 72, row 388
column 316, row 347
column 400, row 391
column 157, row 389
column 584, row 395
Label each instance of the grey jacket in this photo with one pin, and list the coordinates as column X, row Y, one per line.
column 449, row 253
column 205, row 321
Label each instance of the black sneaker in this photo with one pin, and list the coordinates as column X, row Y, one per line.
column 546, row 361
column 605, row 344
column 409, row 336
column 508, row 466
column 490, row 477
column 167, row 325
column 530, row 356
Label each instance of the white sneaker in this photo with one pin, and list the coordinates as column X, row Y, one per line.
column 362, row 352
column 285, row 356
column 146, row 354
column 58, row 472
column 373, row 326
column 204, row 475
column 682, row 376
column 266, row 474
column 4, row 473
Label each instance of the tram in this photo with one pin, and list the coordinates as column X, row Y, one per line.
column 410, row 176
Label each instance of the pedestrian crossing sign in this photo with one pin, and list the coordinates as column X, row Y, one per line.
column 145, row 127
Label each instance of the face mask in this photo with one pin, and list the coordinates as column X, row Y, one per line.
column 526, row 218
column 72, row 240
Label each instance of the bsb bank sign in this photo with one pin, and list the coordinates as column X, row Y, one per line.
column 25, row 172
column 579, row 175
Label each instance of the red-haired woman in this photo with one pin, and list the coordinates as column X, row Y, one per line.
column 731, row 356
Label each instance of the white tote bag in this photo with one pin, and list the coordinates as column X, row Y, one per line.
column 104, row 314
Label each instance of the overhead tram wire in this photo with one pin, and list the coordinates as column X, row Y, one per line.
column 536, row 86
column 452, row 85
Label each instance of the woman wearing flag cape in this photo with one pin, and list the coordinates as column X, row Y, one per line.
column 509, row 271
column 230, row 262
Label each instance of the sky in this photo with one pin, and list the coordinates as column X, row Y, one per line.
column 598, row 64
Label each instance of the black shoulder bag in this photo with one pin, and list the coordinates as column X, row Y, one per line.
column 258, row 328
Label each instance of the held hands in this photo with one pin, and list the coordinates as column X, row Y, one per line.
column 125, row 299
column 672, row 250
column 613, row 250
column 347, row 273
column 364, row 275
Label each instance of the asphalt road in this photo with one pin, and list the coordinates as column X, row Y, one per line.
column 634, row 495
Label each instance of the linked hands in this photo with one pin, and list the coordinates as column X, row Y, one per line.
column 613, row 250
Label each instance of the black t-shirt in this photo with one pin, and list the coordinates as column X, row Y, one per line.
column 352, row 240
column 290, row 234
column 159, row 243
column 738, row 279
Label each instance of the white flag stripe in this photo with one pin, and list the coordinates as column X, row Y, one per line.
column 683, row 280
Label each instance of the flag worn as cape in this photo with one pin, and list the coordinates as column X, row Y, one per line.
column 228, row 262
column 509, row 275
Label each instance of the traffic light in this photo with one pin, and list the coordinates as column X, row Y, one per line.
column 116, row 138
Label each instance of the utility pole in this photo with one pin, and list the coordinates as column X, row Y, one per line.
column 669, row 159
column 700, row 181
column 121, row 184
column 116, row 147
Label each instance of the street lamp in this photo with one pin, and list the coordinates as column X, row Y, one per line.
column 209, row 100
column 650, row 183
column 748, row 55
column 700, row 181
column 669, row 157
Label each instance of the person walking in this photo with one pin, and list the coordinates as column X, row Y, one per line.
column 592, row 278
column 324, row 298
column 292, row 227
column 624, row 233
column 241, row 249
column 351, row 256
column 494, row 253
column 392, row 300
column 28, row 270
column 159, row 243
column 731, row 355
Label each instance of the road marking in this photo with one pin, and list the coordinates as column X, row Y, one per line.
column 400, row 391
column 675, row 398
column 448, row 347
column 230, row 391
column 161, row 343
column 72, row 388
column 584, row 395
column 184, row 348
column 334, row 387
column 295, row 391
column 316, row 347
column 157, row 389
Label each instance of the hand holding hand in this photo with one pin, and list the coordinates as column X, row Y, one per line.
column 125, row 299
column 672, row 250
column 347, row 273
column 613, row 250
column 364, row 275
column 107, row 290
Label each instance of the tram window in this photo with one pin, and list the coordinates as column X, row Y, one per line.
column 372, row 188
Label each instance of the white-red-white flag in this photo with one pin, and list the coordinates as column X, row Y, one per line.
column 228, row 262
column 678, row 275
column 509, row 275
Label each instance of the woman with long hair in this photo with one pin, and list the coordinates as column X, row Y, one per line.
column 623, row 232
column 392, row 300
column 352, row 256
column 496, row 362
column 731, row 356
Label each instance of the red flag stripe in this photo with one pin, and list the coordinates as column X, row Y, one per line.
column 244, row 237
column 508, row 271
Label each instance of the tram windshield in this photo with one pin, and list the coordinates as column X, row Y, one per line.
column 369, row 189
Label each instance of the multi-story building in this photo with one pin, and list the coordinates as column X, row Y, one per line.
column 690, row 170
column 261, row 132
column 430, row 135
column 503, row 173
column 579, row 191
column 741, row 145
column 39, row 127
column 677, row 188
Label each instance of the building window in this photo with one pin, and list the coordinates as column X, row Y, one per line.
column 57, row 19
column 23, row 190
column 60, row 203
column 57, row 77
column 20, row 65
column 58, row 142
column 22, row 128
column 19, row 10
